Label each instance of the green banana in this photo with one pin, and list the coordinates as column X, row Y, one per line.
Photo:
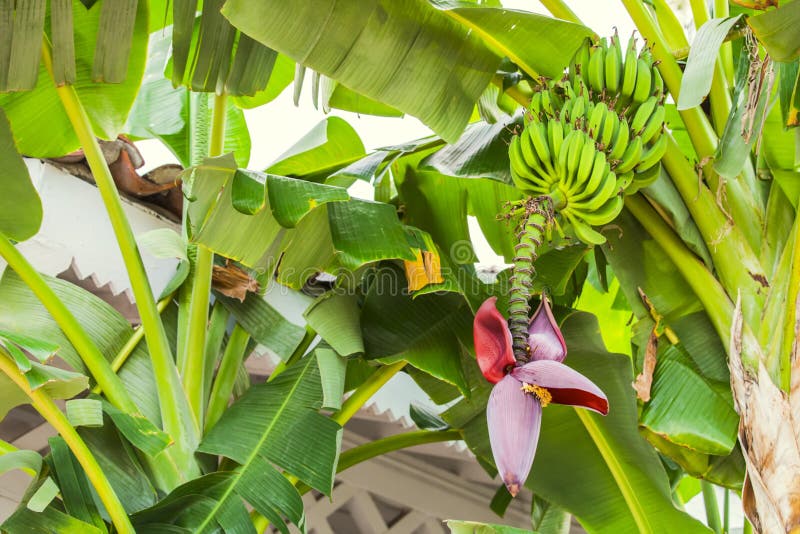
column 631, row 156
column 581, row 60
column 574, row 159
column 620, row 142
column 538, row 137
column 613, row 66
column 555, row 135
column 606, row 212
column 653, row 154
column 578, row 109
column 566, row 110
column 607, row 189
column 584, row 232
column 524, row 184
column 645, row 178
column 610, row 126
column 658, row 83
column 547, row 104
column 596, row 72
column 596, row 119
column 600, row 168
column 523, row 176
column 536, row 104
column 642, row 114
column 561, row 160
column 654, row 124
column 643, row 81
column 629, row 70
column 529, row 157
column 586, row 161
column 624, row 181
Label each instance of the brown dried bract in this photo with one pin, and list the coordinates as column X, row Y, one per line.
column 233, row 281
column 644, row 380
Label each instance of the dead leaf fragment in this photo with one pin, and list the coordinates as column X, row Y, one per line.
column 233, row 281
column 644, row 380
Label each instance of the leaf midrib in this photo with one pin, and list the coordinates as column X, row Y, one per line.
column 241, row 469
column 619, row 474
column 524, row 65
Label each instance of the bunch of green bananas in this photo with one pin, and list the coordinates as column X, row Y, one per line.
column 593, row 136
column 556, row 159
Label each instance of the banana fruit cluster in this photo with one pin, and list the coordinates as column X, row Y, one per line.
column 593, row 136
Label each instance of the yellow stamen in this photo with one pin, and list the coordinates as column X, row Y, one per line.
column 541, row 393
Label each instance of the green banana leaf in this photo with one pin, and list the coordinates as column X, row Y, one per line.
column 480, row 152
column 538, row 44
column 427, row 331
column 340, row 97
column 332, row 372
column 210, row 55
column 345, row 41
column 690, row 432
column 473, row 527
column 178, row 117
column 696, row 81
column 107, row 105
column 335, row 317
column 328, row 226
column 431, row 50
column 84, row 412
column 48, row 520
column 733, row 151
column 58, row 383
column 265, row 324
column 283, row 427
column 282, row 75
column 777, row 31
column 76, row 493
column 327, row 147
column 121, row 465
column 20, row 206
column 21, row 312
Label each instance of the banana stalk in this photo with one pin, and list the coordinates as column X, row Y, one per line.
column 530, row 239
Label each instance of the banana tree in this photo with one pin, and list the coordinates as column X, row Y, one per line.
column 688, row 228
column 711, row 227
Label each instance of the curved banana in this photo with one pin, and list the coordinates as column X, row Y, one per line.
column 629, row 71
column 596, row 119
column 644, row 78
column 600, row 168
column 605, row 213
column 555, row 135
column 631, row 156
column 584, row 232
column 654, row 124
column 607, row 189
column 643, row 114
column 574, row 159
column 653, row 154
column 538, row 138
column 596, row 71
column 613, row 66
column 586, row 162
column 620, row 142
column 524, row 178
column 610, row 126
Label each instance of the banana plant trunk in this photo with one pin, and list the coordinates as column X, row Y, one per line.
column 769, row 433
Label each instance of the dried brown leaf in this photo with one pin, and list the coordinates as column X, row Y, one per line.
column 233, row 281
column 644, row 380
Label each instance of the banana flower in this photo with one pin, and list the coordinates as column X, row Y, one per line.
column 514, row 411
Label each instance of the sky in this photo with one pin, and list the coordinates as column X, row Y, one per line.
column 276, row 126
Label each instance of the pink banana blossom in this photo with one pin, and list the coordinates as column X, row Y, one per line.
column 521, row 391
